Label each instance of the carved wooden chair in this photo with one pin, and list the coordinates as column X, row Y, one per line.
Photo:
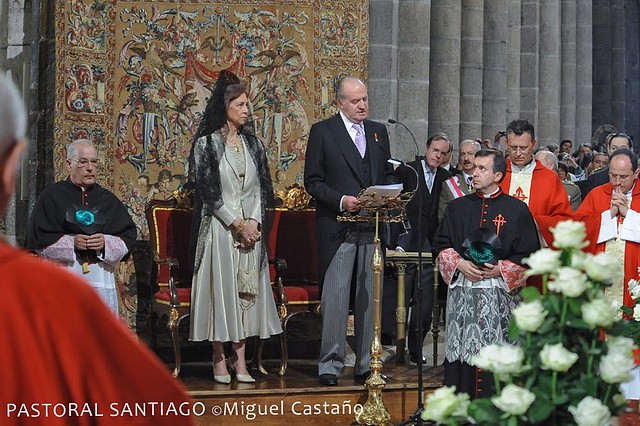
column 169, row 231
column 292, row 243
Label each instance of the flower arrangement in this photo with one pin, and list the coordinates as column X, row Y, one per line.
column 571, row 355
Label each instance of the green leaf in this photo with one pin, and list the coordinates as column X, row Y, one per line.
column 484, row 412
column 529, row 293
column 514, row 331
column 540, row 410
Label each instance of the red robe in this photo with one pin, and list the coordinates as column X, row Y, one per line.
column 62, row 345
column 548, row 201
column 589, row 212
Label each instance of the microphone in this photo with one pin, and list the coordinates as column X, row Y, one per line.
column 392, row 121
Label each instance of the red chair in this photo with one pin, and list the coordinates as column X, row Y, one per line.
column 292, row 244
column 169, row 230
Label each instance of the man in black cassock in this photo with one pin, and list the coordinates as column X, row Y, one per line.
column 482, row 282
column 81, row 225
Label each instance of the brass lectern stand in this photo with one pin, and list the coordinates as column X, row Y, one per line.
column 375, row 210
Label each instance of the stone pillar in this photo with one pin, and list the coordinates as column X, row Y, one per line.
column 383, row 63
column 529, row 66
column 444, row 93
column 413, row 74
column 514, row 49
column 494, row 85
column 568, row 72
column 471, row 69
column 601, row 64
column 584, row 70
column 548, row 124
column 632, row 74
column 617, row 66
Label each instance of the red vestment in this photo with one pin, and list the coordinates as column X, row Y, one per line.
column 548, row 201
column 62, row 345
column 590, row 211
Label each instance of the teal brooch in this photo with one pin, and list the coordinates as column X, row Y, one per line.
column 84, row 217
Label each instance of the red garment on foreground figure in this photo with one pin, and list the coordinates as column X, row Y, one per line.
column 62, row 346
column 547, row 201
column 590, row 212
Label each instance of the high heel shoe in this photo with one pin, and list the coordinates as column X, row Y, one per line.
column 242, row 378
column 224, row 379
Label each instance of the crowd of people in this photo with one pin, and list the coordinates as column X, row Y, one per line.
column 506, row 199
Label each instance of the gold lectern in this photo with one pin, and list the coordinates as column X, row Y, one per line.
column 375, row 209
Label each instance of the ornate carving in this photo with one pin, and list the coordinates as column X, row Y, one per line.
column 184, row 198
column 294, row 197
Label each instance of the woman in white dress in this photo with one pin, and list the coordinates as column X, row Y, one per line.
column 231, row 297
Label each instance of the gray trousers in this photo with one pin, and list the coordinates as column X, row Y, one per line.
column 355, row 252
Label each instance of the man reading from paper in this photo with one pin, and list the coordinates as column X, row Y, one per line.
column 480, row 244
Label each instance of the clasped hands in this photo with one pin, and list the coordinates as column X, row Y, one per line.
column 475, row 273
column 618, row 204
column 247, row 232
column 88, row 242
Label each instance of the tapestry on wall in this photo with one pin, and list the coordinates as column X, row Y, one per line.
column 134, row 77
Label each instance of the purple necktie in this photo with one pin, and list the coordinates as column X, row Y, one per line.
column 361, row 140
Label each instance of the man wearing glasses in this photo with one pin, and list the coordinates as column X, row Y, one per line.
column 613, row 142
column 611, row 214
column 532, row 183
column 81, row 225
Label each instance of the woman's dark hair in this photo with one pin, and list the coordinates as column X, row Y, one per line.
column 228, row 87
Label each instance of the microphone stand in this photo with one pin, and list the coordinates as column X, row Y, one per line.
column 416, row 417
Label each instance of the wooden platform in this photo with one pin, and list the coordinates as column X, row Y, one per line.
column 298, row 396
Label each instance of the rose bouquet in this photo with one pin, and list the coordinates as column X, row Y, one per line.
column 570, row 356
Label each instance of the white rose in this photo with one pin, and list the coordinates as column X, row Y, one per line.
column 444, row 403
column 570, row 282
column 603, row 267
column 620, row 344
column 616, row 306
column 543, row 261
column 578, row 258
column 615, row 367
column 529, row 316
column 598, row 313
column 557, row 358
column 514, row 400
column 499, row 358
column 636, row 312
column 569, row 234
column 590, row 412
column 634, row 289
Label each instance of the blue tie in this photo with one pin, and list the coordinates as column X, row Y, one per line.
column 430, row 179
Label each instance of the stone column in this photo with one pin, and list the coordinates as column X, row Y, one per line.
column 444, row 93
column 494, row 86
column 584, row 70
column 471, row 69
column 568, row 72
column 383, row 62
column 529, row 66
column 548, row 124
column 513, row 61
column 601, row 64
column 413, row 74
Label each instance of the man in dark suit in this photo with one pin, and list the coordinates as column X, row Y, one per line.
column 613, row 142
column 422, row 212
column 345, row 154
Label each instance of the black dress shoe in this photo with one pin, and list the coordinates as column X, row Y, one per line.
column 415, row 358
column 362, row 378
column 328, row 379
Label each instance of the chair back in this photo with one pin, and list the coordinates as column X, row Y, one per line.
column 169, row 236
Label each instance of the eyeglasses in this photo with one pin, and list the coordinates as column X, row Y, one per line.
column 84, row 162
column 436, row 151
column 519, row 149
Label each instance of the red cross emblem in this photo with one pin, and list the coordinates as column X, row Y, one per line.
column 498, row 221
column 520, row 194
